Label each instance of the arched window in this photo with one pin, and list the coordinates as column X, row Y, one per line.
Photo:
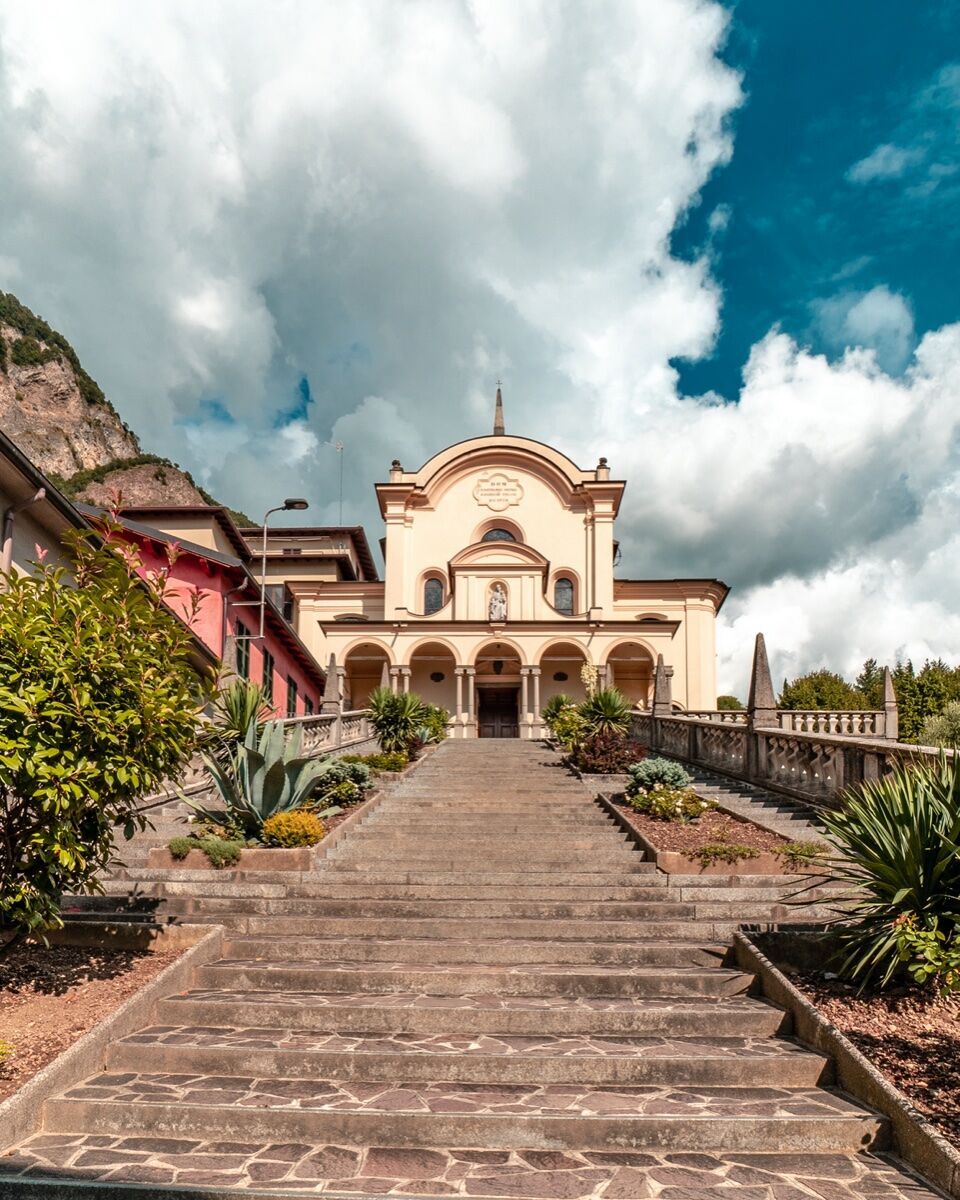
column 432, row 596
column 563, row 595
column 498, row 535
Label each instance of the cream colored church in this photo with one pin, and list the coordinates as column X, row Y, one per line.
column 500, row 586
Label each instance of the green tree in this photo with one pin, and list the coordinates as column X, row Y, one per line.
column 820, row 689
column 909, row 703
column 98, row 706
column 729, row 702
column 943, row 729
column 870, row 683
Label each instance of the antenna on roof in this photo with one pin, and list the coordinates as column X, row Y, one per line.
column 339, row 449
column 498, row 429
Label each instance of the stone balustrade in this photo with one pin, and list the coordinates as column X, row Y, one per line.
column 816, row 767
column 847, row 723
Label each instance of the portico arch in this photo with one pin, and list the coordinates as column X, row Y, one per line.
column 630, row 666
column 364, row 665
column 432, row 677
column 560, row 664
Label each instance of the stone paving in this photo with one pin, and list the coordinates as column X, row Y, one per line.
column 383, row 1170
column 343, row 1046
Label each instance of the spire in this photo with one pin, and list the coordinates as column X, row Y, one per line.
column 331, row 690
column 762, row 704
column 498, row 429
column 662, row 689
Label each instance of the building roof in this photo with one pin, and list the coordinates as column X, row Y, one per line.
column 356, row 534
column 32, row 479
column 141, row 512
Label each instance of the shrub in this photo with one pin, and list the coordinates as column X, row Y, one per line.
column 729, row 703
column 944, row 728
column 930, row 955
column 222, row 852
column 379, row 762
column 398, row 718
column 670, row 804
column 606, row 753
column 98, row 707
column 27, row 352
column 435, row 722
column 339, row 771
column 804, row 854
column 553, row 707
column 343, row 794
column 239, row 703
column 297, row 828
column 657, row 772
column 606, row 711
column 897, row 843
column 728, row 852
column 6, row 1052
column 263, row 776
column 568, row 728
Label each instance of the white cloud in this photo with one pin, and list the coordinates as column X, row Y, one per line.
column 878, row 320
column 884, row 162
column 402, row 202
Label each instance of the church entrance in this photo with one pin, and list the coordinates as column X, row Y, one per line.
column 498, row 712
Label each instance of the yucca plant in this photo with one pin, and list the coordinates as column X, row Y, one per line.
column 897, row 844
column 606, row 711
column 263, row 776
column 239, row 703
column 398, row 718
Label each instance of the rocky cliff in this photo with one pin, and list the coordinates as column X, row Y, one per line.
column 59, row 417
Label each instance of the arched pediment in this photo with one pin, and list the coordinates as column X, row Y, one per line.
column 498, row 554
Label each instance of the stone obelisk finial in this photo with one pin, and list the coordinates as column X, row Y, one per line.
column 662, row 689
column 891, row 711
column 498, row 428
column 331, row 691
column 762, row 705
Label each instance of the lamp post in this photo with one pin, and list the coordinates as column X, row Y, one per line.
column 290, row 504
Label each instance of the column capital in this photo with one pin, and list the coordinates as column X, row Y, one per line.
column 470, row 670
column 534, row 670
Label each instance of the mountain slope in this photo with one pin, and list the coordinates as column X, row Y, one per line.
column 60, row 418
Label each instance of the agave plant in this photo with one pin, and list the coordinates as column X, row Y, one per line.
column 264, row 775
column 898, row 846
column 606, row 711
column 239, row 703
column 398, row 718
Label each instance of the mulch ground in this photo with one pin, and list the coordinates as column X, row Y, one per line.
column 689, row 838
column 51, row 997
column 912, row 1037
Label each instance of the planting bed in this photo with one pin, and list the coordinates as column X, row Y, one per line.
column 50, row 997
column 913, row 1038
column 675, row 845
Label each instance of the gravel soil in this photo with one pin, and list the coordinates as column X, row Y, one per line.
column 912, row 1037
column 51, row 997
column 689, row 838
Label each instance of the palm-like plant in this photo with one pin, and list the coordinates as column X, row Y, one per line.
column 263, row 776
column 606, row 711
column 398, row 718
column 898, row 847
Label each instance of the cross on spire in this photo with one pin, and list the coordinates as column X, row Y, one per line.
column 498, row 428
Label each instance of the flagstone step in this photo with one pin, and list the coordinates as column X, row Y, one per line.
column 266, row 1170
column 535, row 1059
column 647, row 887
column 493, row 950
column 451, row 927
column 398, row 1012
column 495, row 1116
column 528, row 979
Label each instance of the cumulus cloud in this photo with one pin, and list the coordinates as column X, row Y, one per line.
column 878, row 320
column 270, row 231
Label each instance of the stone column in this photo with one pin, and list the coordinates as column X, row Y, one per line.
column 405, row 673
column 471, row 674
column 458, row 672
column 395, row 679
column 537, row 724
column 525, row 695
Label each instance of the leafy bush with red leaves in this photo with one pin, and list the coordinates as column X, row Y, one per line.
column 606, row 753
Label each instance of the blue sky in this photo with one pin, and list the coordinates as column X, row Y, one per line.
column 826, row 83
column 714, row 243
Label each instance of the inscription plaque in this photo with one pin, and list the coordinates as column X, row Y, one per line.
column 497, row 491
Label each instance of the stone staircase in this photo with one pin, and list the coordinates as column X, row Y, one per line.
column 484, row 991
column 772, row 810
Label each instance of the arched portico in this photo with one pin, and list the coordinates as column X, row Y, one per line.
column 560, row 666
column 365, row 666
column 433, row 674
column 630, row 667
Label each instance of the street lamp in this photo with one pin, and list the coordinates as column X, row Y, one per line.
column 290, row 504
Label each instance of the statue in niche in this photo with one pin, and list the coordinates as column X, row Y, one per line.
column 498, row 604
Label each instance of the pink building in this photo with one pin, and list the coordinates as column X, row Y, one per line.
column 214, row 590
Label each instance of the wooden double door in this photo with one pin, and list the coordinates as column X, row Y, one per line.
column 498, row 712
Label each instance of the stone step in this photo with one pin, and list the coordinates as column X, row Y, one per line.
column 403, row 1013
column 403, row 1113
column 622, row 875
column 647, row 887
column 266, row 1170
column 615, row 859
column 541, row 1059
column 491, row 951
column 590, row 931
column 527, row 979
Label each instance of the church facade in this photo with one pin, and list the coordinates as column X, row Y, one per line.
column 500, row 591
